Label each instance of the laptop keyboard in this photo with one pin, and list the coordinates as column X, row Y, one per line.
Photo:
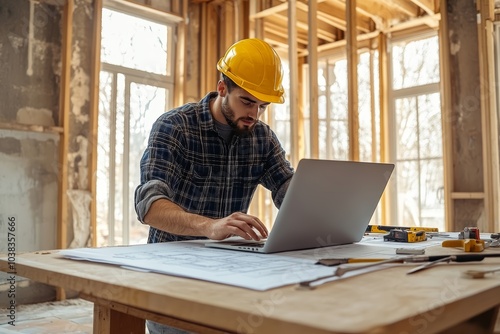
column 254, row 244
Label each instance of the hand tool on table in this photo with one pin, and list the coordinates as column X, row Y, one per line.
column 491, row 243
column 479, row 273
column 341, row 270
column 470, row 233
column 410, row 251
column 449, row 258
column 399, row 235
column 336, row 262
column 468, row 245
column 330, row 262
column 387, row 229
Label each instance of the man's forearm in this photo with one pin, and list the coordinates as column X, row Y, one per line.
column 167, row 216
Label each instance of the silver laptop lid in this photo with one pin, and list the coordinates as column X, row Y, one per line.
column 328, row 203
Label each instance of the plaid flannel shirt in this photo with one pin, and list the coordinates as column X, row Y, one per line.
column 188, row 163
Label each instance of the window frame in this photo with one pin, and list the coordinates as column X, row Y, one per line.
column 401, row 93
column 132, row 76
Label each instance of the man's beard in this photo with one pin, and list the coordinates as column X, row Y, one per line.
column 228, row 114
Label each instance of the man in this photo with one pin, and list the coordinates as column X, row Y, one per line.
column 205, row 160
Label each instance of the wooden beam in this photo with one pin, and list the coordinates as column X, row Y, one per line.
column 324, row 27
column 94, row 116
column 302, row 24
column 373, row 114
column 294, row 78
column 446, row 114
column 270, row 11
column 280, row 43
column 376, row 12
column 108, row 320
column 153, row 13
column 352, row 80
column 280, row 29
column 489, row 119
column 373, row 9
column 203, row 48
column 404, row 6
column 256, row 24
column 228, row 18
column 31, row 128
column 240, row 18
column 181, row 52
column 312, row 60
column 427, row 6
column 468, row 195
column 342, row 43
column 334, row 14
column 64, row 107
column 209, row 51
column 388, row 211
column 431, row 21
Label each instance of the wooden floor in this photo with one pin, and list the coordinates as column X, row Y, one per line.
column 70, row 316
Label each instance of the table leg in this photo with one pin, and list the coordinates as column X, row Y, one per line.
column 483, row 323
column 109, row 321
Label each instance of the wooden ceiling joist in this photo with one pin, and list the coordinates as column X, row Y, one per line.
column 404, row 6
column 276, row 30
column 303, row 26
column 427, row 6
column 270, row 11
column 334, row 13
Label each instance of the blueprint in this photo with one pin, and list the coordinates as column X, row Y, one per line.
column 243, row 269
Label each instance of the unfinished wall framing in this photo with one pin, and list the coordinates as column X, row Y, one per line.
column 49, row 68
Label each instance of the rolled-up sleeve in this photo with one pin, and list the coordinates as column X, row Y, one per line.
column 146, row 194
column 158, row 167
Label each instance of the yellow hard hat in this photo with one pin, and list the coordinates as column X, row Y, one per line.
column 256, row 67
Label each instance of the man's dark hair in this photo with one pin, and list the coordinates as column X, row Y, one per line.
column 228, row 82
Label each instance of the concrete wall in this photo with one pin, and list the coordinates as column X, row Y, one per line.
column 465, row 113
column 30, row 49
column 30, row 168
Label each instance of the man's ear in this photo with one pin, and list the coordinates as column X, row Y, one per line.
column 221, row 88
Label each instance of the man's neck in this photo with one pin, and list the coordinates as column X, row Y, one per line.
column 215, row 109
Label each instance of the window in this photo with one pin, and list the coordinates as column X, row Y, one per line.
column 368, row 107
column 333, row 114
column 281, row 112
column 136, row 86
column 332, row 110
column 417, row 133
column 414, row 131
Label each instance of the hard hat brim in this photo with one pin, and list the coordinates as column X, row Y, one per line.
column 264, row 97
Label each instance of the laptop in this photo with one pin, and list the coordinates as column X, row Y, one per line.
column 328, row 202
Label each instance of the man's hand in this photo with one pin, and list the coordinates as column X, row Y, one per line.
column 246, row 226
column 167, row 216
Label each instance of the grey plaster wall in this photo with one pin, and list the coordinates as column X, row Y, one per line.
column 465, row 113
column 29, row 94
column 30, row 41
column 30, row 64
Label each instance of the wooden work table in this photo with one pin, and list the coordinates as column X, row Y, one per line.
column 384, row 301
